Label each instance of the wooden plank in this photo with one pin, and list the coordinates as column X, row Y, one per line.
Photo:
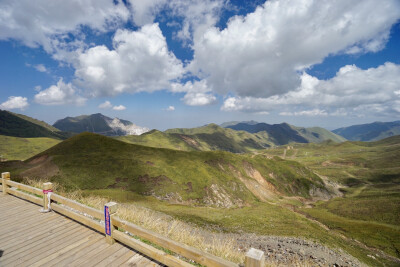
column 76, row 252
column 25, row 238
column 26, row 196
column 133, row 260
column 62, row 246
column 88, row 252
column 124, row 258
column 27, row 188
column 9, row 216
column 150, row 251
column 112, row 258
column 101, row 249
column 78, row 217
column 34, row 244
column 93, row 261
column 165, row 242
column 25, row 233
column 78, row 206
column 44, row 248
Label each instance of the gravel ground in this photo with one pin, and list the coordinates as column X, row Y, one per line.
column 285, row 251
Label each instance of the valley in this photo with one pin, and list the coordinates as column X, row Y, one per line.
column 316, row 202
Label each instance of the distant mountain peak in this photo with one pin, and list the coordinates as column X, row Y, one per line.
column 100, row 124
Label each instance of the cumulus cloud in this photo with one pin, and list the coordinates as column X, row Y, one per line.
column 139, row 62
column 170, row 108
column 46, row 22
column 40, row 67
column 120, row 107
column 197, row 93
column 199, row 99
column 351, row 91
column 105, row 105
column 60, row 94
column 264, row 53
column 190, row 16
column 15, row 102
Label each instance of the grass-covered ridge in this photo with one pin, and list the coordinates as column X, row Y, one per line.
column 91, row 162
column 368, row 175
column 213, row 137
column 18, row 125
column 17, row 148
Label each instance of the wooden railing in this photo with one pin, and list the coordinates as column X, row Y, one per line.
column 116, row 229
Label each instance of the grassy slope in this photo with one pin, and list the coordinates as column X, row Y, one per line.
column 207, row 138
column 22, row 126
column 94, row 162
column 370, row 210
column 16, row 148
column 318, row 135
column 38, row 122
column 90, row 161
column 157, row 139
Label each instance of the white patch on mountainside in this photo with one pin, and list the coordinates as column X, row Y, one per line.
column 128, row 129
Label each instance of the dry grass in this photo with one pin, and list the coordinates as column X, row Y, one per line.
column 217, row 244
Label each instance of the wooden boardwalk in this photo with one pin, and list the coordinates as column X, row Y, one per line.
column 31, row 238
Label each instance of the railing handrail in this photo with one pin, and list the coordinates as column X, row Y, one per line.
column 186, row 251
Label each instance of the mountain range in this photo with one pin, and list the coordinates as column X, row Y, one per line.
column 370, row 132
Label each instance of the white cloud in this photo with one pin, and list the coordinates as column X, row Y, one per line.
column 15, row 102
column 197, row 16
column 105, row 105
column 197, row 93
column 40, row 67
column 310, row 113
column 194, row 16
column 46, row 22
column 170, row 108
column 139, row 62
column 144, row 12
column 262, row 54
column 60, row 94
column 351, row 91
column 198, row 99
column 120, row 107
column 38, row 88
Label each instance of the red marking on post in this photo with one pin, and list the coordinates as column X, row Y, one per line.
column 47, row 191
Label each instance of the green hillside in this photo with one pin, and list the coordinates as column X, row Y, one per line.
column 158, row 139
column 207, row 138
column 213, row 137
column 89, row 161
column 18, row 148
column 368, row 176
column 259, row 192
column 282, row 134
column 18, row 125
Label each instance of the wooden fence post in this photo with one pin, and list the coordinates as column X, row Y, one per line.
column 47, row 188
column 254, row 258
column 5, row 176
column 110, row 209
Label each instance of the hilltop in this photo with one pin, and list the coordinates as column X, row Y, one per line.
column 370, row 131
column 98, row 123
column 17, row 125
column 239, row 138
column 281, row 134
column 93, row 162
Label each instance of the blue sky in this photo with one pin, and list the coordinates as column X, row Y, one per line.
column 165, row 64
